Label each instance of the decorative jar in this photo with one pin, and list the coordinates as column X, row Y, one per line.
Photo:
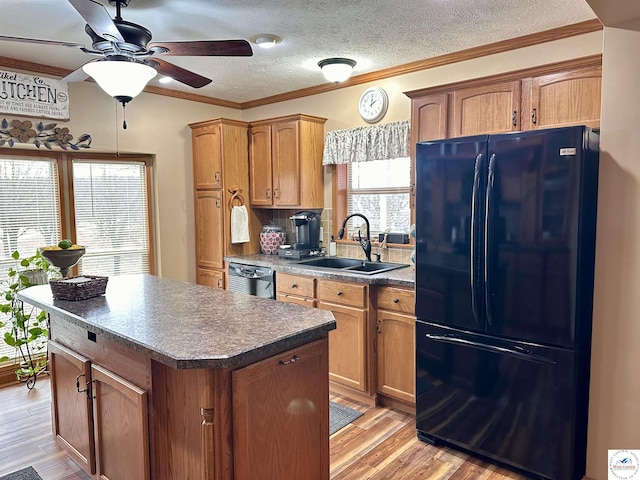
column 271, row 237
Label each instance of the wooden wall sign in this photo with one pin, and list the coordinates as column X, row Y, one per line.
column 33, row 96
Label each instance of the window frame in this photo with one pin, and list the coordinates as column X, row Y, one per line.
column 339, row 199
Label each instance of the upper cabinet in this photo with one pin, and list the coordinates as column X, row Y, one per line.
column 285, row 162
column 565, row 98
column 486, row 109
column 550, row 96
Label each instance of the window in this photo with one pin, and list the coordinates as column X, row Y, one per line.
column 104, row 205
column 380, row 190
column 111, row 216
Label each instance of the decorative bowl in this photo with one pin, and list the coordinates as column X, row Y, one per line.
column 63, row 259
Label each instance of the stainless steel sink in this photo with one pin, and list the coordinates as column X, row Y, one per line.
column 350, row 265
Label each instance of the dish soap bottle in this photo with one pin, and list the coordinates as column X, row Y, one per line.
column 332, row 247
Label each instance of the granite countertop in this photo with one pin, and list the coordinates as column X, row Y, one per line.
column 184, row 325
column 402, row 277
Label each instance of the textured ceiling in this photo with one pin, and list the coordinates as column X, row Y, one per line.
column 378, row 34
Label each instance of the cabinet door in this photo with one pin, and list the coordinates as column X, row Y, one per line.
column 260, row 176
column 286, row 164
column 207, row 157
column 210, row 278
column 486, row 109
column 567, row 98
column 209, row 229
column 396, row 355
column 282, row 391
column 347, row 346
column 71, row 405
column 121, row 428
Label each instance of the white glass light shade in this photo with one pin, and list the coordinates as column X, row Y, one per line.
column 120, row 78
column 336, row 69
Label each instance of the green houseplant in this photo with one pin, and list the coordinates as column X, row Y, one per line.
column 28, row 330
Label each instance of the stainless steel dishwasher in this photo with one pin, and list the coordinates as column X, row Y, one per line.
column 252, row 280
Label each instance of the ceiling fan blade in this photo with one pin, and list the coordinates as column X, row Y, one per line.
column 41, row 42
column 78, row 75
column 203, row 48
column 178, row 73
column 98, row 19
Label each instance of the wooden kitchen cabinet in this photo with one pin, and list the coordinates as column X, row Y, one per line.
column 285, row 162
column 100, row 418
column 299, row 407
column 220, row 169
column 348, row 352
column 562, row 94
column 395, row 352
column 487, row 108
column 566, row 98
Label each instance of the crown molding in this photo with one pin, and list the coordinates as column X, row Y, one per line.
column 447, row 59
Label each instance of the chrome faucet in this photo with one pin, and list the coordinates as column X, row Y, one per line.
column 366, row 243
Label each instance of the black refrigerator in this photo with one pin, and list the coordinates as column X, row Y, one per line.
column 505, row 246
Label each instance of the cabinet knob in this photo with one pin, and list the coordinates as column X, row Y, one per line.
column 339, row 293
column 396, row 300
column 293, row 285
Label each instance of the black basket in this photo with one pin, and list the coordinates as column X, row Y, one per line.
column 78, row 288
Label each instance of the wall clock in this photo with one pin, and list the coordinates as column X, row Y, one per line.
column 373, row 104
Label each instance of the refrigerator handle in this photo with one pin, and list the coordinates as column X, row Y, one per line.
column 491, row 180
column 474, row 216
column 514, row 351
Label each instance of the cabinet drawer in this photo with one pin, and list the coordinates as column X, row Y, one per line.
column 294, row 284
column 304, row 301
column 342, row 293
column 396, row 299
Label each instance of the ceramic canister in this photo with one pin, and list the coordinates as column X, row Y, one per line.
column 271, row 237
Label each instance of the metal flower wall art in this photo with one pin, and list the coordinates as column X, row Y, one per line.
column 49, row 135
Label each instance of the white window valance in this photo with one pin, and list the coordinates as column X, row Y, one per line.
column 366, row 144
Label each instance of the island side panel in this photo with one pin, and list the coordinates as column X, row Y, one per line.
column 191, row 421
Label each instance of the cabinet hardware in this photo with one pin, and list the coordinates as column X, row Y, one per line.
column 396, row 300
column 216, row 177
column 294, row 359
column 78, row 384
column 514, row 122
column 339, row 293
column 268, row 193
column 217, row 203
column 219, row 283
column 275, row 193
column 534, row 116
column 378, row 327
column 293, row 285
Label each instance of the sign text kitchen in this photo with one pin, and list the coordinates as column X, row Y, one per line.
column 33, row 96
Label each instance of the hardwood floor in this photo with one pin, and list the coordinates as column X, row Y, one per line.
column 381, row 444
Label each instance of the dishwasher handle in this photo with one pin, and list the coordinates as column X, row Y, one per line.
column 247, row 271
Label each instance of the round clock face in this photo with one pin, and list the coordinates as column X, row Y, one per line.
column 373, row 104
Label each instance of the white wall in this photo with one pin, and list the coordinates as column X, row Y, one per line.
column 614, row 413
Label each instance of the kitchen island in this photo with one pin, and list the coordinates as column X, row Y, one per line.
column 164, row 379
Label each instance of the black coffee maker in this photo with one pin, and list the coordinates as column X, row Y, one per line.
column 306, row 226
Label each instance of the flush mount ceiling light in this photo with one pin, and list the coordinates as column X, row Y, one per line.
column 122, row 79
column 266, row 40
column 336, row 69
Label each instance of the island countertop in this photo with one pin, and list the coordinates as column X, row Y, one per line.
column 184, row 325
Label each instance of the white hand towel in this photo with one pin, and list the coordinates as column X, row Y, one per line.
column 239, row 224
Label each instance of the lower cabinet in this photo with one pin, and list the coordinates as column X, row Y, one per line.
column 98, row 417
column 282, row 391
column 210, row 278
column 348, row 342
column 296, row 289
column 395, row 327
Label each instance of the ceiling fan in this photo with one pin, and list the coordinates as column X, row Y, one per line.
column 116, row 40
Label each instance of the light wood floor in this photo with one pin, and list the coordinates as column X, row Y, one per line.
column 381, row 444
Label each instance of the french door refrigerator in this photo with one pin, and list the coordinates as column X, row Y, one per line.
column 505, row 241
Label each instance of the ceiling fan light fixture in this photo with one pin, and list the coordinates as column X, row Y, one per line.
column 337, row 69
column 120, row 79
column 266, row 40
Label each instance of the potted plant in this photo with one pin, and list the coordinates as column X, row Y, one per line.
column 28, row 332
